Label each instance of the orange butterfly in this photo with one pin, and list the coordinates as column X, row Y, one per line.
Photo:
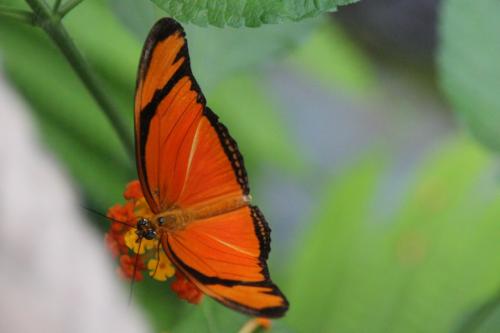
column 194, row 181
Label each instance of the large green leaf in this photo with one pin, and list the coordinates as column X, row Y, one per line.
column 425, row 270
column 251, row 13
column 218, row 53
column 325, row 251
column 469, row 64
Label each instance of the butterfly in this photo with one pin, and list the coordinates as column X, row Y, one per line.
column 194, row 181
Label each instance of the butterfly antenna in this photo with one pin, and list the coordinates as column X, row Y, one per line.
column 136, row 262
column 107, row 217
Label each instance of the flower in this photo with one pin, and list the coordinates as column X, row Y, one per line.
column 133, row 190
column 112, row 244
column 161, row 269
column 122, row 218
column 141, row 255
column 185, row 289
column 132, row 242
column 128, row 264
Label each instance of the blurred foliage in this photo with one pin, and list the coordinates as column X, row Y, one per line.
column 436, row 259
column 396, row 32
column 427, row 267
column 469, row 65
column 252, row 13
column 268, row 139
column 334, row 59
column 72, row 123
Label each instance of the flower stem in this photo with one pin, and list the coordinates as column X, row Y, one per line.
column 51, row 23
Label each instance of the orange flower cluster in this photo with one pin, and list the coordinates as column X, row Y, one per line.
column 185, row 289
column 115, row 239
column 140, row 255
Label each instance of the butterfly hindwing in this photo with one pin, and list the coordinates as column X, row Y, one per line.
column 225, row 256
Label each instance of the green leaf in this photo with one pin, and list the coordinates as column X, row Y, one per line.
column 325, row 250
column 469, row 64
column 421, row 270
column 208, row 47
column 250, row 13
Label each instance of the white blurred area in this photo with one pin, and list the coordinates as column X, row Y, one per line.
column 54, row 273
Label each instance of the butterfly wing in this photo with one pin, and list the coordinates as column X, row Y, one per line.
column 180, row 159
column 167, row 110
column 225, row 256
column 187, row 160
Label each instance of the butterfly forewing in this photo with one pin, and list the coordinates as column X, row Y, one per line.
column 168, row 108
column 187, row 160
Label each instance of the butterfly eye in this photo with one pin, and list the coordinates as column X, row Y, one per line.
column 150, row 234
column 161, row 220
column 142, row 222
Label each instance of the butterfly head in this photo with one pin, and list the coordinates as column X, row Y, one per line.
column 146, row 229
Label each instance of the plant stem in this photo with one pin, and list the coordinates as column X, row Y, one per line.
column 51, row 23
column 68, row 6
column 55, row 9
column 18, row 15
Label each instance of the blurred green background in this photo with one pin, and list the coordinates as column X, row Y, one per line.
column 370, row 135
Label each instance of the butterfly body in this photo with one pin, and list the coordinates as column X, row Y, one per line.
column 194, row 181
column 171, row 220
